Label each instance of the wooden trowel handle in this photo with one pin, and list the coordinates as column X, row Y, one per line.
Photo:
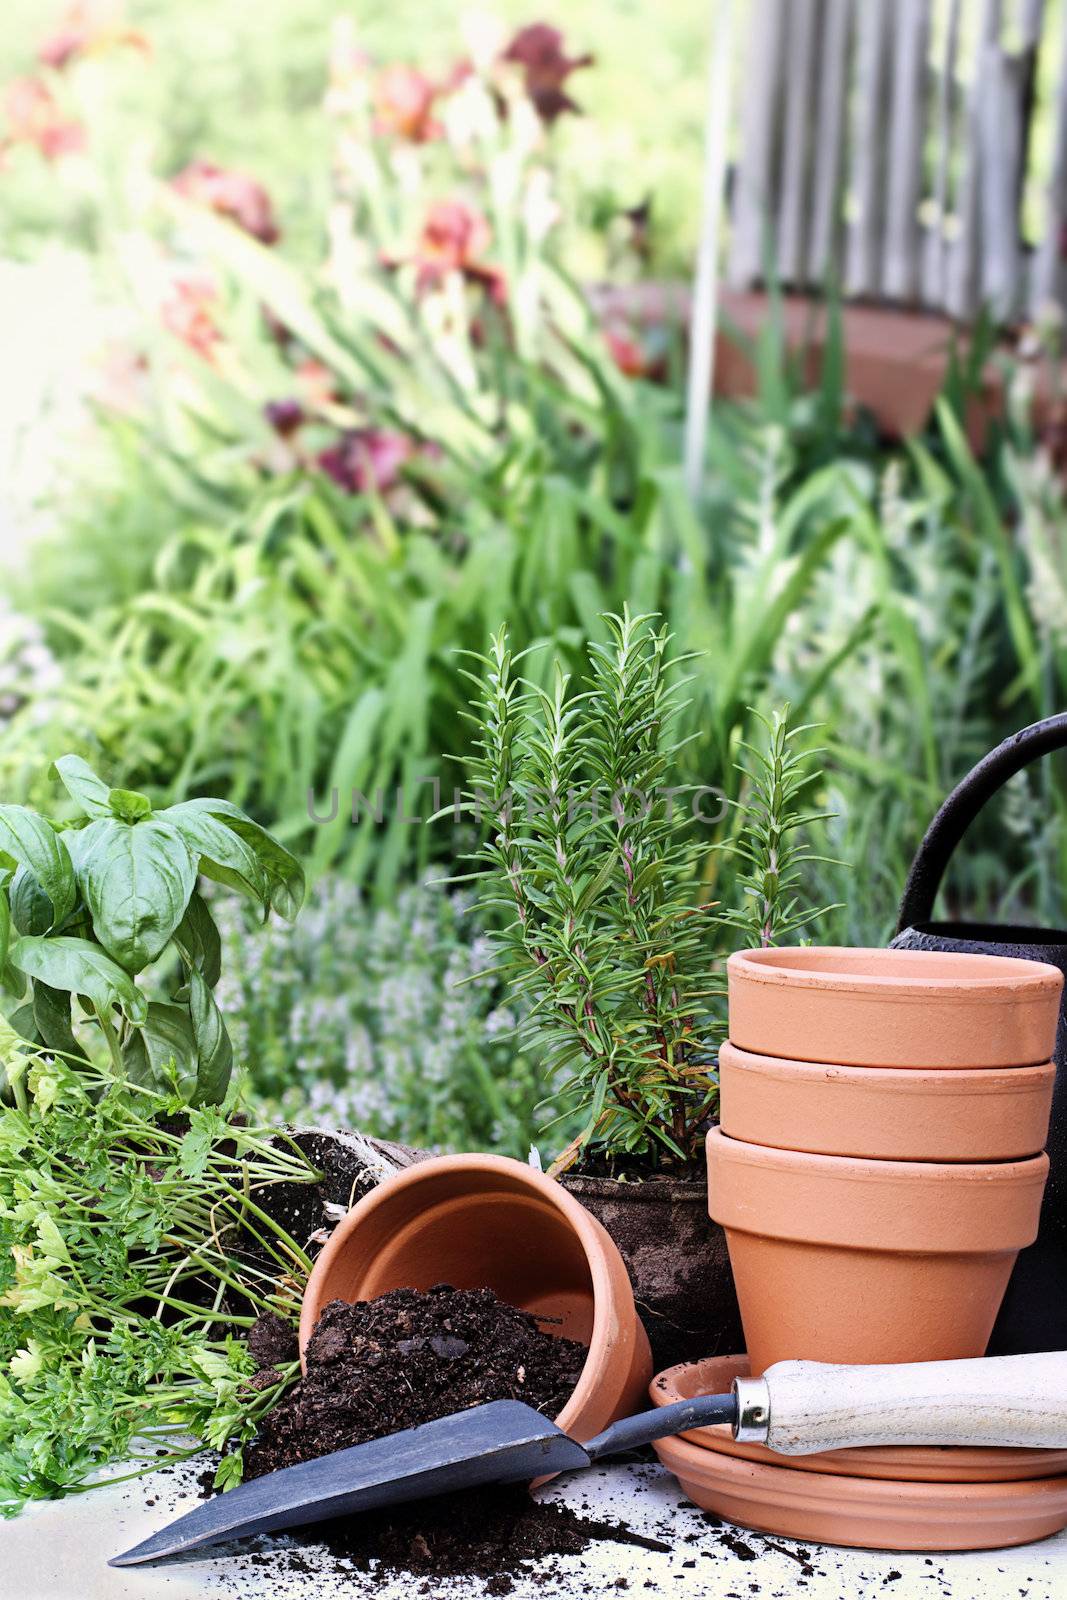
column 798, row 1407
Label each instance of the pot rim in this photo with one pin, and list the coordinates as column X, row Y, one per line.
column 872, row 1204
column 900, row 1080
column 897, row 1500
column 892, row 973
column 608, row 1332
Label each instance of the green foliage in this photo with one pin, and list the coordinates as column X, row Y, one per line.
column 134, row 1250
column 291, row 628
column 770, row 904
column 597, row 865
column 245, row 88
column 298, row 631
column 381, row 1019
column 88, row 906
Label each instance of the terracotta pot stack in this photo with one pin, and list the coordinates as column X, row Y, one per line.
column 879, row 1162
column 878, row 1167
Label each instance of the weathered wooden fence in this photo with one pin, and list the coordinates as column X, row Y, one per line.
column 889, row 146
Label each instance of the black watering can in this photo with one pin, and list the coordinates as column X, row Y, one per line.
column 1034, row 1313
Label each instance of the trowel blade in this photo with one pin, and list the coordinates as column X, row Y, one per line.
column 504, row 1442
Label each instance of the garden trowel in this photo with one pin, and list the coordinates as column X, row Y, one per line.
column 796, row 1408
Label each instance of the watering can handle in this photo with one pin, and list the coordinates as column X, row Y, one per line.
column 963, row 805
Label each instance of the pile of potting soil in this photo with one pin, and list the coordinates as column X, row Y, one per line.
column 378, row 1366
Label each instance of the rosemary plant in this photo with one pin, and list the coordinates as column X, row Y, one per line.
column 767, row 904
column 592, row 854
column 589, row 852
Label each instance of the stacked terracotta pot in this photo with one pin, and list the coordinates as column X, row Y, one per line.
column 879, row 1162
column 877, row 1169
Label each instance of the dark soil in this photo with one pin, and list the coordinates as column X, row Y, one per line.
column 272, row 1342
column 298, row 1207
column 379, row 1366
column 492, row 1534
column 685, row 1293
column 650, row 1167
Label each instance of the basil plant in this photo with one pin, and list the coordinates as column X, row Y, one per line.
column 87, row 906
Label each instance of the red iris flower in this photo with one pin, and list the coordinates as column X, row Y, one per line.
column 284, row 416
column 632, row 357
column 34, row 117
column 538, row 50
column 454, row 238
column 366, row 459
column 230, row 194
column 403, row 105
column 186, row 312
column 87, row 27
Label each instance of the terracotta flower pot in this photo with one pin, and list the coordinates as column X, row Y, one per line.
column 677, row 1261
column 904, row 1463
column 893, row 1008
column 477, row 1221
column 841, row 1259
column 871, row 1513
column 951, row 1114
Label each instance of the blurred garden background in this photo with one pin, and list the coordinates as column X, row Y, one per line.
column 311, row 384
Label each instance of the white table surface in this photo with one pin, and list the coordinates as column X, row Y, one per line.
column 58, row 1551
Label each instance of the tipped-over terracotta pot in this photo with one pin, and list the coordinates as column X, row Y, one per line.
column 929, row 1114
column 932, row 1463
column 477, row 1221
column 840, row 1259
column 893, row 1008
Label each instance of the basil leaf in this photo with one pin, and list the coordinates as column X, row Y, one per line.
column 82, row 967
column 51, row 1013
column 83, row 785
column 213, row 1048
column 161, row 1055
column 223, row 854
column 285, row 875
column 24, row 1023
column 129, row 805
column 199, row 941
column 136, row 879
column 27, row 840
column 5, row 929
column 31, row 909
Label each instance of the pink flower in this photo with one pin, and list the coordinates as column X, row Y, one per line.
column 34, row 117
column 230, row 194
column 453, row 235
column 284, row 416
column 453, row 239
column 538, row 49
column 633, row 357
column 403, row 105
column 88, row 27
column 367, row 459
column 186, row 312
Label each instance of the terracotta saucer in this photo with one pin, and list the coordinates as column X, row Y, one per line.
column 952, row 1464
column 871, row 1513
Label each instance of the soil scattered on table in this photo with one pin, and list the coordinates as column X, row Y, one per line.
column 379, row 1366
column 493, row 1534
